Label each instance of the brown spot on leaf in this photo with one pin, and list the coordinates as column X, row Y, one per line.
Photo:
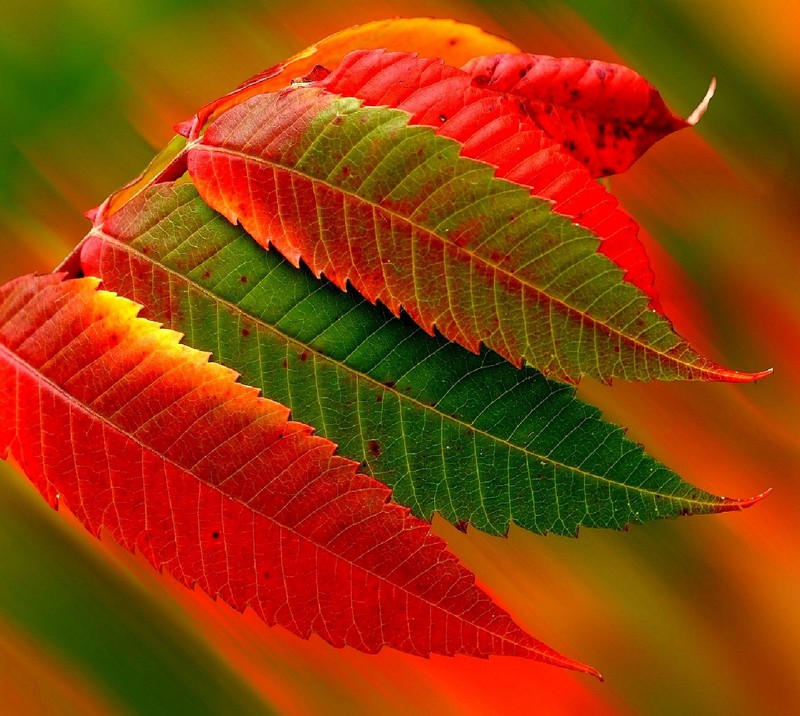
column 374, row 448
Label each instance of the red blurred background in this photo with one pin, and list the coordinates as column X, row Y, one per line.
column 695, row 616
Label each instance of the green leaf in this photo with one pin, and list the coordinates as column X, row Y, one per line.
column 465, row 435
column 365, row 198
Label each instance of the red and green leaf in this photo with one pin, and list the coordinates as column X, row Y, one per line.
column 143, row 437
column 605, row 115
column 496, row 128
column 467, row 436
column 364, row 197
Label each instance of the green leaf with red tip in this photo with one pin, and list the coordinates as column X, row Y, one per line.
column 467, row 436
column 143, row 437
column 363, row 197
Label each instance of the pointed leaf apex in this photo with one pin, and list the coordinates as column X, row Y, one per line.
column 556, row 659
column 731, row 505
column 735, row 376
column 701, row 108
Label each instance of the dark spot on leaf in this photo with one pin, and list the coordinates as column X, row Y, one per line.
column 601, row 73
column 570, row 145
column 379, row 398
column 481, row 80
column 524, row 71
column 616, row 349
column 206, row 274
column 304, row 356
column 452, row 41
column 375, row 448
column 461, row 526
column 285, row 363
column 345, row 171
column 266, row 575
column 574, row 94
column 245, row 332
column 215, row 535
column 442, row 118
column 389, row 384
column 244, row 279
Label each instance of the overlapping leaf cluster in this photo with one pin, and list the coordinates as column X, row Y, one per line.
column 441, row 254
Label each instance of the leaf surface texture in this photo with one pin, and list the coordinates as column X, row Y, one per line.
column 603, row 114
column 143, row 437
column 465, row 435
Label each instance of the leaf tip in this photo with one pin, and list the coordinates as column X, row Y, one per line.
column 730, row 504
column 726, row 375
column 735, row 376
column 701, row 108
column 586, row 669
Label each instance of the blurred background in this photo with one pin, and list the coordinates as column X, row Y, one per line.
column 695, row 616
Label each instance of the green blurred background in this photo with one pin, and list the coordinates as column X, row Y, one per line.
column 696, row 616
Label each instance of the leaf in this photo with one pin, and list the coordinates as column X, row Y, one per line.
column 465, row 435
column 362, row 197
column 605, row 115
column 141, row 436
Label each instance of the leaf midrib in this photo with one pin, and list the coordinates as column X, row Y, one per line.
column 400, row 395
column 199, row 145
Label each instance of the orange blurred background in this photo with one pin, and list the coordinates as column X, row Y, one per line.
column 694, row 616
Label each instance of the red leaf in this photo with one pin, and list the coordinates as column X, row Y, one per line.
column 143, row 437
column 496, row 129
column 604, row 115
